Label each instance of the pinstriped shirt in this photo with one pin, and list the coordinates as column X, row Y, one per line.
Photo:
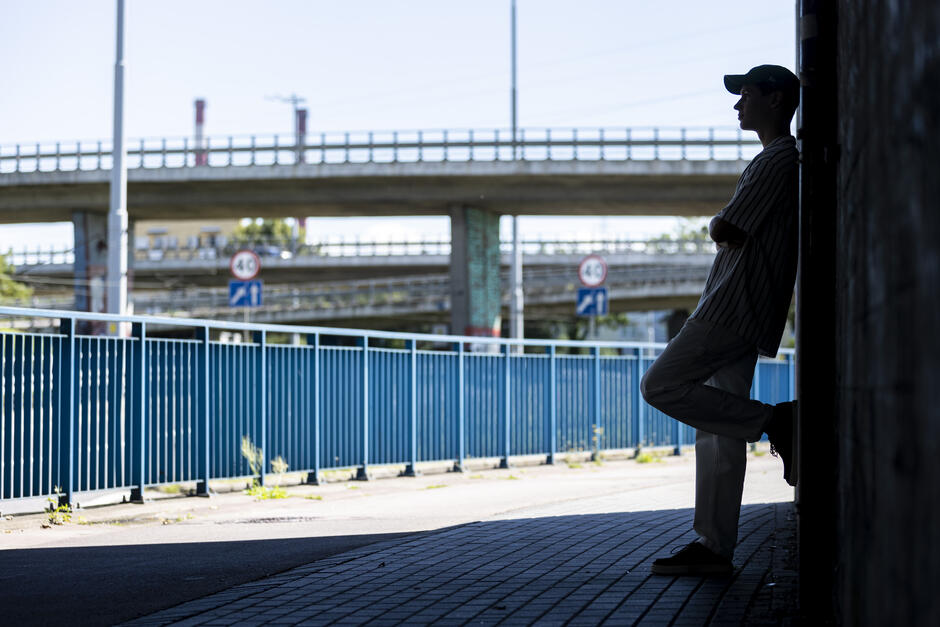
column 749, row 288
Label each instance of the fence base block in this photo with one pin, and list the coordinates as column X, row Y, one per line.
column 504, row 463
column 550, row 459
column 363, row 474
column 410, row 471
column 137, row 496
column 202, row 489
column 458, row 467
column 312, row 478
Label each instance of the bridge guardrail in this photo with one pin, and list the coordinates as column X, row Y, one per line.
column 23, row 259
column 90, row 412
column 538, row 144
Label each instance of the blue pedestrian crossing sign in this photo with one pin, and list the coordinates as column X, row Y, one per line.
column 244, row 294
column 592, row 301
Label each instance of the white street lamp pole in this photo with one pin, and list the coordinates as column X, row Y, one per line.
column 117, row 216
column 516, row 326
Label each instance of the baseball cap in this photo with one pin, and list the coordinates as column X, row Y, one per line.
column 770, row 76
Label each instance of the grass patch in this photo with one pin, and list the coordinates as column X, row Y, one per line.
column 475, row 477
column 352, row 487
column 758, row 453
column 262, row 493
column 511, row 478
column 574, row 465
column 313, row 497
column 436, row 486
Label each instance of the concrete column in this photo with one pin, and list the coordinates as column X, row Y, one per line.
column 474, row 272
column 91, row 267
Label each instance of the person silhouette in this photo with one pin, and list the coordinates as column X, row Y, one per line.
column 703, row 377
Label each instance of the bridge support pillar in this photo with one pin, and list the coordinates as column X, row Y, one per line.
column 475, row 297
column 91, row 268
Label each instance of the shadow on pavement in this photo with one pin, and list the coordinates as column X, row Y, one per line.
column 593, row 568
column 103, row 585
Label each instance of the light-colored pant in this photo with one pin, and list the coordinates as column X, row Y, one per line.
column 703, row 378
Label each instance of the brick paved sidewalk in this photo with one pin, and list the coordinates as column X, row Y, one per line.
column 585, row 569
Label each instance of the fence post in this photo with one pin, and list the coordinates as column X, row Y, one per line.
column 552, row 406
column 410, row 469
column 755, row 391
column 138, row 387
column 637, row 403
column 260, row 338
column 791, row 379
column 67, row 461
column 459, row 465
column 597, row 427
column 203, row 451
column 362, row 474
column 313, row 477
column 507, row 405
column 677, row 437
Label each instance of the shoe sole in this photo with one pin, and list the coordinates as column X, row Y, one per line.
column 692, row 570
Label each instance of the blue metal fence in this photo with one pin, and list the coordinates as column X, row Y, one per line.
column 82, row 413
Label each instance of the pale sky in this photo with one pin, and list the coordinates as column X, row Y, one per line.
column 379, row 65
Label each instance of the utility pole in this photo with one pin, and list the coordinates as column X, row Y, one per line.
column 117, row 215
column 516, row 321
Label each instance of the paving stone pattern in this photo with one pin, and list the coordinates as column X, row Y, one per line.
column 588, row 569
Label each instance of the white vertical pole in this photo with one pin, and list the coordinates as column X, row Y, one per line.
column 117, row 216
column 513, row 72
column 516, row 323
column 516, row 315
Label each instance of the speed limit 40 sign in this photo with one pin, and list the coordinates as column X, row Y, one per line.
column 592, row 271
column 245, row 265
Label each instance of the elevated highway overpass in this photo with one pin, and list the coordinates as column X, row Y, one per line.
column 471, row 176
column 338, row 261
column 399, row 302
column 544, row 172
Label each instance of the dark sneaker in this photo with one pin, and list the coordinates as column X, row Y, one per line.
column 693, row 559
column 780, row 434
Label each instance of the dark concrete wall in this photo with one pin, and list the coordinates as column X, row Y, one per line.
column 888, row 312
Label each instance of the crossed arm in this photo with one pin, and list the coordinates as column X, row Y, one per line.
column 725, row 234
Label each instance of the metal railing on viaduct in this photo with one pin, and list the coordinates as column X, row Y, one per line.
column 537, row 144
column 101, row 413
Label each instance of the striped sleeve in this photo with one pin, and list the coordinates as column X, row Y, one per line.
column 758, row 191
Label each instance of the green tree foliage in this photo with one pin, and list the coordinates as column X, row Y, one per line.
column 11, row 292
column 267, row 230
column 688, row 230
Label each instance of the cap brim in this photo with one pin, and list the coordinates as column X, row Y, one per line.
column 734, row 83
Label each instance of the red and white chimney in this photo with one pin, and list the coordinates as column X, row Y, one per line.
column 202, row 155
column 300, row 133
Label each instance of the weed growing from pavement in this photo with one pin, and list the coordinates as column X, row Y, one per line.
column 313, row 497
column 255, row 459
column 436, row 486
column 58, row 514
column 476, row 477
